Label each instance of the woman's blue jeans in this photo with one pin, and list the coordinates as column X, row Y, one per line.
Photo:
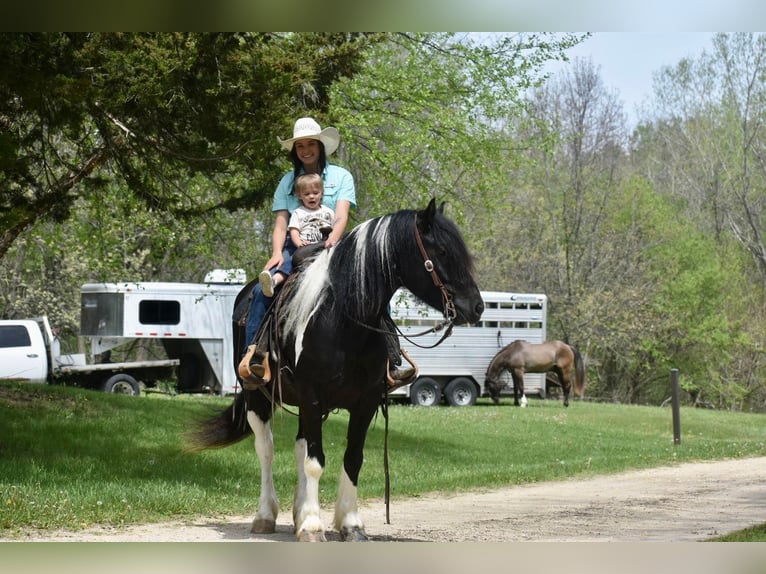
column 260, row 302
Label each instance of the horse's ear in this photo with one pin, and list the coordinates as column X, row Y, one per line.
column 431, row 208
column 426, row 217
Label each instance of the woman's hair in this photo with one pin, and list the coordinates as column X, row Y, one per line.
column 298, row 164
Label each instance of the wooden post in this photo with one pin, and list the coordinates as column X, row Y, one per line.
column 676, row 407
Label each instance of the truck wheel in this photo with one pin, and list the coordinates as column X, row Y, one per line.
column 121, row 384
column 425, row 392
column 460, row 392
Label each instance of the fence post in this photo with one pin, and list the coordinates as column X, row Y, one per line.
column 675, row 386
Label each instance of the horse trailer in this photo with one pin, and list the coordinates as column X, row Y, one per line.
column 455, row 368
column 191, row 322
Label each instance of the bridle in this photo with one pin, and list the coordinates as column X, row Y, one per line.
column 448, row 305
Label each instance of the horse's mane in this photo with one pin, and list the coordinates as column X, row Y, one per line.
column 361, row 271
column 363, row 267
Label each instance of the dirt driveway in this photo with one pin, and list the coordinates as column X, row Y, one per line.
column 687, row 502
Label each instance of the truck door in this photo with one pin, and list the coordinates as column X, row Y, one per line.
column 22, row 352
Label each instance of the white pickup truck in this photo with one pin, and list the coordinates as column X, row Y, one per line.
column 30, row 352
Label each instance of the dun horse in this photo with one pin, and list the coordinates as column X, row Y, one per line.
column 328, row 352
column 521, row 357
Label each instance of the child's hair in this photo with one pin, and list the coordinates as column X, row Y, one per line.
column 306, row 179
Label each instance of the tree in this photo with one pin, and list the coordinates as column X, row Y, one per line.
column 424, row 117
column 710, row 114
column 574, row 184
column 153, row 111
column 702, row 146
column 631, row 283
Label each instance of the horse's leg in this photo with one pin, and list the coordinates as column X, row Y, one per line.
column 265, row 520
column 347, row 520
column 518, row 385
column 566, row 383
column 309, row 458
column 300, row 488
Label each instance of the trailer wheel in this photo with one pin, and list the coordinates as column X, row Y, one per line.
column 121, row 384
column 460, row 392
column 425, row 392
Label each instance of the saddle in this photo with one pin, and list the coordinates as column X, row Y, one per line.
column 254, row 368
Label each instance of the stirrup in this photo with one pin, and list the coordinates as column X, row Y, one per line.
column 410, row 374
column 254, row 368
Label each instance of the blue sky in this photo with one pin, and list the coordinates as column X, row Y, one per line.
column 628, row 60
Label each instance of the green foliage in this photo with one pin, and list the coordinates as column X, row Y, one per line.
column 423, row 118
column 73, row 458
column 152, row 111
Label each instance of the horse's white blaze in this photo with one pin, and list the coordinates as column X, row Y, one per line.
column 346, row 509
column 306, row 515
column 311, row 288
column 268, row 503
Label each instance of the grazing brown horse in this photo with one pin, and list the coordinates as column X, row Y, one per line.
column 521, row 357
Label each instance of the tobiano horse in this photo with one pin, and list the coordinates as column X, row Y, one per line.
column 329, row 353
column 522, row 357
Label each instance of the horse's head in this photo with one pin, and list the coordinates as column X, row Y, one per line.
column 494, row 387
column 444, row 276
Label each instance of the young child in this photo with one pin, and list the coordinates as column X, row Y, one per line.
column 311, row 222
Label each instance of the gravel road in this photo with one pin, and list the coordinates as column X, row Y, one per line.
column 686, row 502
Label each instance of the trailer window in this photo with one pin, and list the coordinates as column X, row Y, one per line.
column 159, row 312
column 14, row 336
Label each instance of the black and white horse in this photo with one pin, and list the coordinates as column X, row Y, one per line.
column 331, row 353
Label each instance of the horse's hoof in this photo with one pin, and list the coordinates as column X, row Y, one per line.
column 264, row 526
column 353, row 535
column 305, row 536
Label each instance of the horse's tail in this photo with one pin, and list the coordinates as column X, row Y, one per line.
column 579, row 371
column 223, row 429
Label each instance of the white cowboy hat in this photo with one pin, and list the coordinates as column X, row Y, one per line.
column 307, row 128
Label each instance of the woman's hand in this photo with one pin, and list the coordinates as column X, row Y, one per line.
column 275, row 261
column 332, row 239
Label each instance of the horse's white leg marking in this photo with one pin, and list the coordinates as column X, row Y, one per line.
column 308, row 525
column 346, row 509
column 268, row 503
column 301, row 449
column 523, row 400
